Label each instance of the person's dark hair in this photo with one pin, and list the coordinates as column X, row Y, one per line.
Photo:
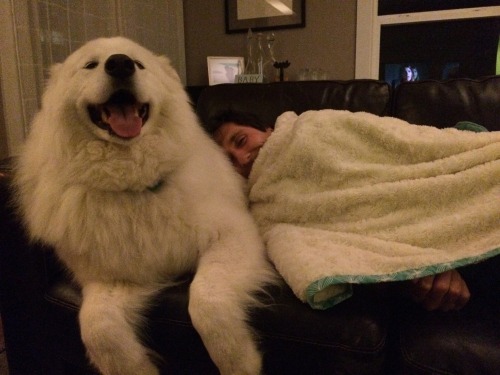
column 238, row 117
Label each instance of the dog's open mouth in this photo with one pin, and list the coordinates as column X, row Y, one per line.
column 122, row 115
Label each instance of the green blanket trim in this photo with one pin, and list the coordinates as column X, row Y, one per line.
column 331, row 290
column 470, row 126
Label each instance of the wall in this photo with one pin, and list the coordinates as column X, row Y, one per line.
column 4, row 149
column 327, row 42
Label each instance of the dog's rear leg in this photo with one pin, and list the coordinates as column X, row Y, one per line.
column 109, row 317
column 227, row 277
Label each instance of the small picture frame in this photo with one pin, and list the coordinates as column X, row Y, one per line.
column 224, row 69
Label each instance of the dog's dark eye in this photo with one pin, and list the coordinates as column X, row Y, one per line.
column 139, row 64
column 91, row 65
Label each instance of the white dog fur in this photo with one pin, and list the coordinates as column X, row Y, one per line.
column 129, row 210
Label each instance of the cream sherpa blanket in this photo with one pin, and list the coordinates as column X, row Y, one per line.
column 346, row 198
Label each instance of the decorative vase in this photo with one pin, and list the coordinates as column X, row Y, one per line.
column 260, row 56
column 251, row 66
column 264, row 61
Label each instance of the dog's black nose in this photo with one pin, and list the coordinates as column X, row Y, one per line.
column 119, row 66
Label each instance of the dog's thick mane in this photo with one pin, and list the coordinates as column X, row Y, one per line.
column 99, row 164
column 112, row 167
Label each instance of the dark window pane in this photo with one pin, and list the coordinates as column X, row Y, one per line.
column 439, row 50
column 386, row 7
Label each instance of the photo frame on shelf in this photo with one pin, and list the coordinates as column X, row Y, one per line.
column 242, row 15
column 224, row 69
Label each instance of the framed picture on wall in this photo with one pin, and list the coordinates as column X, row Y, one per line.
column 242, row 15
column 224, row 69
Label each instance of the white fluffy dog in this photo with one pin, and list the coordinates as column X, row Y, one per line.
column 118, row 176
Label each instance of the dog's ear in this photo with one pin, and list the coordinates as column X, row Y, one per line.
column 167, row 67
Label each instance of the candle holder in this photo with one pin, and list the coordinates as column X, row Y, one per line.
column 281, row 66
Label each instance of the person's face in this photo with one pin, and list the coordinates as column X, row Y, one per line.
column 409, row 74
column 242, row 144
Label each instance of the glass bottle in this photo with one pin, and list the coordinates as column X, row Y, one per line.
column 264, row 62
column 251, row 63
column 274, row 73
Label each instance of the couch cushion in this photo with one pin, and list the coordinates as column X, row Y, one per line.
column 464, row 342
column 351, row 336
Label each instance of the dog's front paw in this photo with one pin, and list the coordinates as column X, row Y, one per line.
column 250, row 364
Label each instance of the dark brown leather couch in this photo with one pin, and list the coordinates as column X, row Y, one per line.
column 377, row 331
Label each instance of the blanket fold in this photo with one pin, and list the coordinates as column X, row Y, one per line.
column 345, row 198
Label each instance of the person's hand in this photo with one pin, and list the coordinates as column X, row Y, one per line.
column 445, row 291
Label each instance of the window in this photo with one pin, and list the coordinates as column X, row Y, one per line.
column 394, row 29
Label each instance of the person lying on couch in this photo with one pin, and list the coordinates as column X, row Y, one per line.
column 241, row 135
column 435, row 283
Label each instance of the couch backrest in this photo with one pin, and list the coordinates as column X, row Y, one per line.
column 268, row 101
column 444, row 103
column 437, row 103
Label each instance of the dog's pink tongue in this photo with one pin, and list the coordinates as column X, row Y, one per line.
column 124, row 121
